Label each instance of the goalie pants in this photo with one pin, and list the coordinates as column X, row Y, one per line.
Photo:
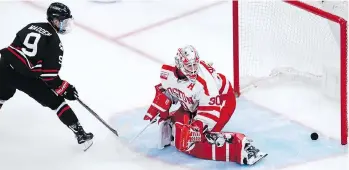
column 10, row 81
column 229, row 151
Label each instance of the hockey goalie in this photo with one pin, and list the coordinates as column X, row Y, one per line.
column 207, row 102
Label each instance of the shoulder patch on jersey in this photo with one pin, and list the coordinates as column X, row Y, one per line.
column 163, row 75
column 164, row 71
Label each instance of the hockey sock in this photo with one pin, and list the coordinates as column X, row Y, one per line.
column 0, row 106
column 66, row 114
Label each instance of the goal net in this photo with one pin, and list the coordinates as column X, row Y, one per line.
column 282, row 41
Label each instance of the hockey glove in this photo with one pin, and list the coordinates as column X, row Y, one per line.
column 67, row 90
column 71, row 93
column 161, row 104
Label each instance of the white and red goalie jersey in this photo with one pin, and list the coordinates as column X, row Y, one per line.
column 203, row 97
column 207, row 103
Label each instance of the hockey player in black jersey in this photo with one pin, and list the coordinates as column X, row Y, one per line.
column 32, row 62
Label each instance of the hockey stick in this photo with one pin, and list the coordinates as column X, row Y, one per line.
column 146, row 127
column 99, row 118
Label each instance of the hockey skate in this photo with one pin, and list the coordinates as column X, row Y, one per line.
column 250, row 154
column 81, row 136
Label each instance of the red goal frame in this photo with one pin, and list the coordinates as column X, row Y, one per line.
column 343, row 55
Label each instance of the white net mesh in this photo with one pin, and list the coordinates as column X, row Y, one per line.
column 278, row 40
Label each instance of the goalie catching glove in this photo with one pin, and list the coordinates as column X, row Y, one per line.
column 161, row 104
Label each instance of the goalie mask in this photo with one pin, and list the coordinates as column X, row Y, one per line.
column 187, row 61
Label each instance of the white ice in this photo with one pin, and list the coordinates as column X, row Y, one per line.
column 112, row 77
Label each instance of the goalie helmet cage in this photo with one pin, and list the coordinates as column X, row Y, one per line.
column 246, row 63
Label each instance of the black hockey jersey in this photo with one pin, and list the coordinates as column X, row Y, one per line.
column 37, row 52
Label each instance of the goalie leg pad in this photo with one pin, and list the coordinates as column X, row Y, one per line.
column 225, row 147
column 165, row 136
column 228, row 149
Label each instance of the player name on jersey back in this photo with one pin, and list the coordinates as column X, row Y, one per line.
column 39, row 30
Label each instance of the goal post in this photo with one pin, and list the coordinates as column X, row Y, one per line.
column 306, row 55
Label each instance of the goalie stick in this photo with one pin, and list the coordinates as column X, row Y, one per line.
column 99, row 118
column 153, row 121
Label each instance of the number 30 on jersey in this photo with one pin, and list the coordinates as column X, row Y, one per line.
column 215, row 100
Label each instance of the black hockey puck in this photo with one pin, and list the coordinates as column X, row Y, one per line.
column 314, row 136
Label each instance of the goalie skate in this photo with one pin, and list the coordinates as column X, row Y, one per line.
column 256, row 158
column 251, row 154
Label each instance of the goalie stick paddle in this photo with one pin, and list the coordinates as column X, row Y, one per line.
column 99, row 118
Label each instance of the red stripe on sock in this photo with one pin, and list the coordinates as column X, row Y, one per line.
column 65, row 108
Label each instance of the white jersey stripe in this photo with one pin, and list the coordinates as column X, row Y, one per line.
column 49, row 75
column 226, row 88
column 212, row 112
column 149, row 115
column 38, row 66
column 158, row 107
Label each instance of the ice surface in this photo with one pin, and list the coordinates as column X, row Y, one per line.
column 287, row 142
